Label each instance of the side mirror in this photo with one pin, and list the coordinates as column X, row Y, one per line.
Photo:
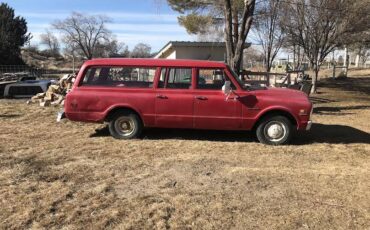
column 226, row 88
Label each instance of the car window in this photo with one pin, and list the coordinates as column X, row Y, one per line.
column 175, row 78
column 130, row 77
column 212, row 79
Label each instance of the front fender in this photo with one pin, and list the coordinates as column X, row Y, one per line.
column 278, row 110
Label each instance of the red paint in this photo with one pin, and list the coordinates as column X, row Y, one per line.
column 182, row 108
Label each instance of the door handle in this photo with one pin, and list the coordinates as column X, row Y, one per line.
column 201, row 98
column 161, row 96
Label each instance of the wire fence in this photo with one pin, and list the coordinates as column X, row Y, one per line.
column 13, row 72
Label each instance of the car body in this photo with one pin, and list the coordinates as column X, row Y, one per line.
column 159, row 93
column 26, row 88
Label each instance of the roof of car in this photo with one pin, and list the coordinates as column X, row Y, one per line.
column 155, row 62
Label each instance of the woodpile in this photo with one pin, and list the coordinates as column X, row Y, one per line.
column 55, row 93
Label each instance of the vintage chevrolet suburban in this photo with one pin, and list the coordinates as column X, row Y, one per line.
column 131, row 94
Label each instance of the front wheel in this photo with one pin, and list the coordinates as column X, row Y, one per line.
column 275, row 130
column 125, row 125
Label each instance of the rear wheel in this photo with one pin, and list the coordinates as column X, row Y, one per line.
column 125, row 125
column 275, row 130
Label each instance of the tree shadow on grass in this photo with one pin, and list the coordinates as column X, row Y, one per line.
column 9, row 115
column 358, row 84
column 339, row 110
column 320, row 133
column 317, row 100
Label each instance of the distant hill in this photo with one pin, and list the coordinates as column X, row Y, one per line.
column 40, row 59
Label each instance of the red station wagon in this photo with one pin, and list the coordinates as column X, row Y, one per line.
column 131, row 94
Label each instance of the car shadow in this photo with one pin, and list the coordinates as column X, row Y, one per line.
column 332, row 134
column 187, row 134
column 319, row 133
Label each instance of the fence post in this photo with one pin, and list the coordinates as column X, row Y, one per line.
column 333, row 71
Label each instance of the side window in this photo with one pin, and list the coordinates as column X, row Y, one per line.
column 162, row 78
column 130, row 77
column 175, row 78
column 212, row 79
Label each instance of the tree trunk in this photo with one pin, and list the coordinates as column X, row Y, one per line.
column 235, row 39
column 314, row 79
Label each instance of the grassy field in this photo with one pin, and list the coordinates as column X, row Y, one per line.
column 75, row 176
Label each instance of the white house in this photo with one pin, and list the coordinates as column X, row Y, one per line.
column 214, row 51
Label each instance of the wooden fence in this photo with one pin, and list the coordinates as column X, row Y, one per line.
column 271, row 79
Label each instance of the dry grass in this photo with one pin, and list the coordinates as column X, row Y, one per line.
column 328, row 73
column 72, row 176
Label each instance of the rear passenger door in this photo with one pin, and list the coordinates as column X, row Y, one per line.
column 212, row 109
column 106, row 87
column 174, row 98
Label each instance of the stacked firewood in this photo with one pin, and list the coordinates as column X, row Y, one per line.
column 55, row 93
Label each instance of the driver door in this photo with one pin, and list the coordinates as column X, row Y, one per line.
column 211, row 109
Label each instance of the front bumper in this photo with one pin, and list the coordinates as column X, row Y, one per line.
column 309, row 125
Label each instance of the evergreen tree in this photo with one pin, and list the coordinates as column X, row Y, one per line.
column 13, row 35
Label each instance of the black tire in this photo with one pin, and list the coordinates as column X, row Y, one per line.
column 275, row 130
column 125, row 125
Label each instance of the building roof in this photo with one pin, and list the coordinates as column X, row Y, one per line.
column 173, row 44
column 150, row 62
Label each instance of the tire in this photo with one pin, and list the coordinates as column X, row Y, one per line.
column 275, row 130
column 125, row 125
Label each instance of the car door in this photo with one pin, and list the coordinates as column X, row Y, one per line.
column 212, row 109
column 174, row 98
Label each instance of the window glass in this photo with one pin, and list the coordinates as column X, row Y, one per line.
column 175, row 78
column 131, row 77
column 211, row 79
column 162, row 78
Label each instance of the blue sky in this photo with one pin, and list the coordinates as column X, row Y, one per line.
column 133, row 21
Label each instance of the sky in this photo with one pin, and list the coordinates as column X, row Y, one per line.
column 133, row 21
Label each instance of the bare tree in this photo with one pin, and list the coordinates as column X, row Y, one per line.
column 319, row 26
column 141, row 50
column 253, row 57
column 51, row 42
column 84, row 32
column 267, row 27
column 112, row 48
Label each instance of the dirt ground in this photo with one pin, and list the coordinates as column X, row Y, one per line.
column 75, row 176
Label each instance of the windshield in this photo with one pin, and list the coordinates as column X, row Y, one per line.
column 236, row 77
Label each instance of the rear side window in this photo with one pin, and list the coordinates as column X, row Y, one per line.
column 212, row 79
column 130, row 77
column 175, row 78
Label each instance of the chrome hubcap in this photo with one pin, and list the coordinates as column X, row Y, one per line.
column 275, row 131
column 125, row 126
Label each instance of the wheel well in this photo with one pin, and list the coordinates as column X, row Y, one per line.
column 276, row 113
column 110, row 114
